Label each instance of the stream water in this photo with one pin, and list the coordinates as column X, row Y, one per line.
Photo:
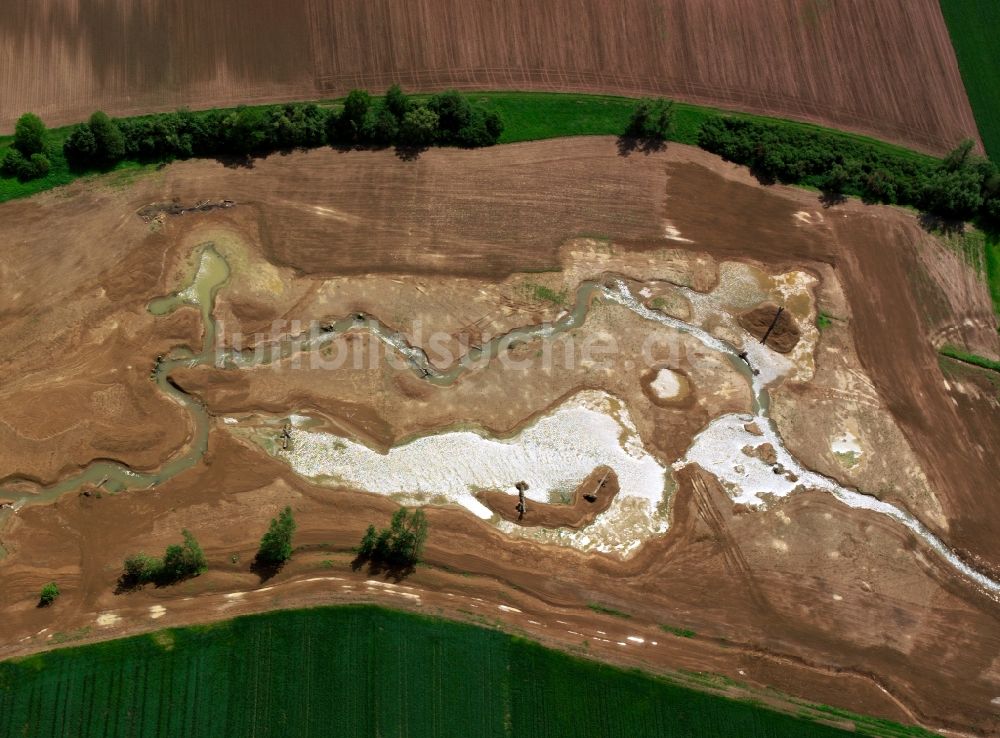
column 717, row 449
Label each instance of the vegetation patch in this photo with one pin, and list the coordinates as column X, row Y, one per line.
column 546, row 294
column 992, row 260
column 605, row 610
column 970, row 358
column 679, row 632
column 179, row 562
column 48, row 594
column 973, row 26
column 361, row 671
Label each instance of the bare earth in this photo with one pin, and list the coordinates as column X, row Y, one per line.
column 825, row 602
column 882, row 67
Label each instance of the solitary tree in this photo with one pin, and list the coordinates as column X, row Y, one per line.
column 276, row 544
column 30, row 135
column 651, row 120
column 49, row 593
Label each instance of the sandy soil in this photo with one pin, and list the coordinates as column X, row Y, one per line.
column 886, row 68
column 825, row 602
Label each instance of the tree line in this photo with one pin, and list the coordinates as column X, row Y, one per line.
column 446, row 119
column 962, row 186
column 397, row 546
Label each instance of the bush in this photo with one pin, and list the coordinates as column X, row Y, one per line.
column 276, row 544
column 139, row 569
column 49, row 594
column 399, row 545
column 16, row 165
column 30, row 136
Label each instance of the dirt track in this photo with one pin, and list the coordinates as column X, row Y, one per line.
column 825, row 602
column 884, row 67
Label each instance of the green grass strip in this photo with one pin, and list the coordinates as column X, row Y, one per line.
column 968, row 358
column 973, row 26
column 993, row 268
column 362, row 671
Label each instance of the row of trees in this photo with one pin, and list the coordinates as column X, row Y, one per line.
column 187, row 559
column 397, row 546
column 962, row 186
column 448, row 119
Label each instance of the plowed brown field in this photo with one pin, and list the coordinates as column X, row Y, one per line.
column 883, row 67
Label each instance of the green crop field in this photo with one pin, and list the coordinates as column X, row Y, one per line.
column 973, row 26
column 360, row 671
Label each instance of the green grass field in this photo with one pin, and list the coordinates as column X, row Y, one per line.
column 361, row 671
column 973, row 26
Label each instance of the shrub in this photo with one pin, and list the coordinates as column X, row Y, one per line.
column 48, row 595
column 16, row 165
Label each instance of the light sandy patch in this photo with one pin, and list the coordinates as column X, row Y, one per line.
column 157, row 611
column 107, row 619
column 667, row 384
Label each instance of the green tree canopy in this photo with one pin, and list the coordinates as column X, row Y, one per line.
column 396, row 102
column 419, row 126
column 109, row 143
column 30, row 135
column 48, row 595
column 276, row 544
column 651, row 119
column 399, row 544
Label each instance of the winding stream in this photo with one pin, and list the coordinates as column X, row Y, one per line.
column 716, row 449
